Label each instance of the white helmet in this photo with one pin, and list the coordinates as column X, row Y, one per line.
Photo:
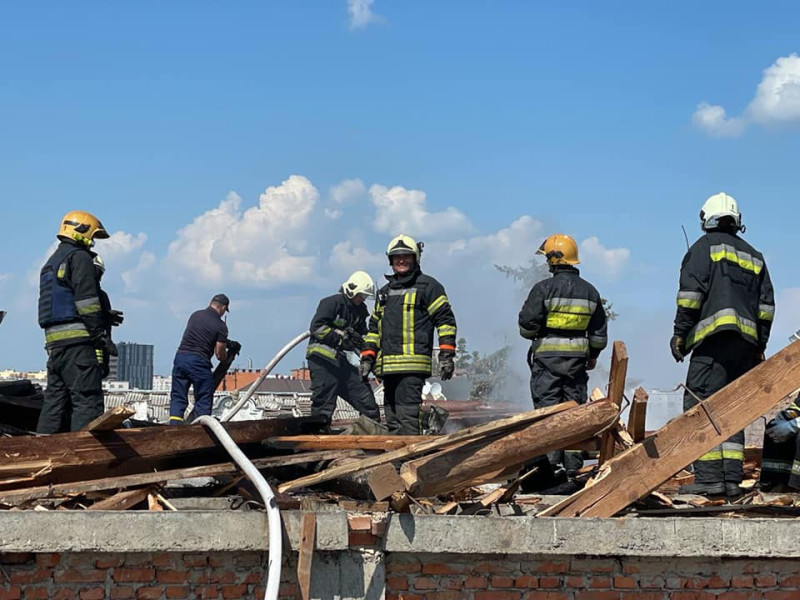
column 359, row 283
column 719, row 206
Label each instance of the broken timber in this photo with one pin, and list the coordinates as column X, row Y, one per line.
column 641, row 469
column 451, row 469
column 344, row 442
column 111, row 419
column 616, row 390
column 638, row 415
column 428, row 445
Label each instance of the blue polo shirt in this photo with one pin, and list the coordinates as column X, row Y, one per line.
column 204, row 329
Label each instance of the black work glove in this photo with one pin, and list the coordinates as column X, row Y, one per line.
column 446, row 365
column 591, row 364
column 351, row 339
column 107, row 346
column 233, row 347
column 677, row 346
column 367, row 364
column 115, row 317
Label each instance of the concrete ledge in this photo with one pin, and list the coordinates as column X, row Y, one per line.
column 239, row 531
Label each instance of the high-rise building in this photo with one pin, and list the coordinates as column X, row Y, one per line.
column 135, row 365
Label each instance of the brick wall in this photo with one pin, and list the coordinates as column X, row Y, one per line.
column 146, row 576
column 525, row 577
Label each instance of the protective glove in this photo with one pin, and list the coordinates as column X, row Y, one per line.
column 106, row 345
column 351, row 339
column 115, row 317
column 446, row 365
column 677, row 345
column 367, row 364
column 782, row 429
column 591, row 364
column 233, row 347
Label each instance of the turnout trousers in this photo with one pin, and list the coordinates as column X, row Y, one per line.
column 716, row 362
column 190, row 369
column 554, row 380
column 74, row 394
column 402, row 400
column 329, row 381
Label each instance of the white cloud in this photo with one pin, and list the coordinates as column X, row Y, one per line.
column 348, row 191
column 608, row 262
column 712, row 120
column 133, row 278
column 777, row 99
column 346, row 257
column 120, row 244
column 262, row 246
column 361, row 14
column 776, row 103
column 513, row 245
column 400, row 210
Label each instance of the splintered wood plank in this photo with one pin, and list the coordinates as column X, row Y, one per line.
column 427, row 445
column 638, row 415
column 305, row 557
column 616, row 390
column 451, row 469
column 122, row 500
column 641, row 469
column 111, row 419
column 17, row 497
column 345, row 442
column 384, row 481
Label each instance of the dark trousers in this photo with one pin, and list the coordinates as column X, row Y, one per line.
column 195, row 370
column 554, row 380
column 74, row 394
column 330, row 381
column 402, row 399
column 716, row 362
column 780, row 463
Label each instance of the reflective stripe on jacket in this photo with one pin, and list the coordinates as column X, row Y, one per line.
column 334, row 314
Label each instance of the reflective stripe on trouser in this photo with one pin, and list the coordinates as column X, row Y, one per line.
column 715, row 363
column 329, row 382
column 74, row 394
column 780, row 462
column 402, row 398
column 403, row 363
column 67, row 331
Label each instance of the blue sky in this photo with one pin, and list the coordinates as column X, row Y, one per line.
column 585, row 118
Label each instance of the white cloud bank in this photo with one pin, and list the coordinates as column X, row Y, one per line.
column 776, row 103
column 400, row 210
column 361, row 14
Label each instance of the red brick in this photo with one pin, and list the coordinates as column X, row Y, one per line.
column 208, row 592
column 492, row 567
column 162, row 559
column 573, row 581
column 631, row 568
column 407, row 596
column 36, row 593
column 396, row 583
column 451, row 583
column 12, row 593
column 250, row 560
column 359, row 523
column 476, row 583
column 743, row 581
column 649, row 583
column 595, row 565
column 597, row 595
column 551, row 566
column 35, row 576
column 171, row 576
column 735, row 596
column 195, row 560
column 16, row 558
column 716, row 582
column 449, row 595
column 64, row 593
column 80, row 576
column 642, row 596
column 223, row 577
column 502, row 582
column 361, row 538
column 549, row 582
column 220, row 561
column 126, row 575
column 93, row 593
column 692, row 596
column 443, row 569
column 108, row 562
column 403, row 566
column 149, row 593
column 424, row 583
column 624, row 583
column 779, row 595
column 526, row 582
column 234, row 591
column 498, row 595
column 48, row 559
column 766, row 580
column 122, row 592
column 175, row 591
column 137, row 559
column 547, row 596
column 792, row 581
column 252, row 578
column 600, row 582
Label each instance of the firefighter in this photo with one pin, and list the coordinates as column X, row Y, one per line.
column 780, row 464
column 724, row 315
column 114, row 318
column 337, row 331
column 399, row 344
column 74, row 323
column 565, row 319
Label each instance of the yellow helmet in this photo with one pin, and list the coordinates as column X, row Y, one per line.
column 559, row 249
column 404, row 244
column 83, row 227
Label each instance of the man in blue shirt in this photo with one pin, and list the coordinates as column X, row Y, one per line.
column 206, row 335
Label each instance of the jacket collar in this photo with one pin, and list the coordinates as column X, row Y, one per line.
column 398, row 281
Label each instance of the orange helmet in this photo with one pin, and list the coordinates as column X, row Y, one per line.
column 83, row 227
column 559, row 249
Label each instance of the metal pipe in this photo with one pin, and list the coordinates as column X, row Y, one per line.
column 267, row 369
column 274, row 542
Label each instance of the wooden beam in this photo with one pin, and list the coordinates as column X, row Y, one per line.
column 638, row 415
column 75, row 455
column 122, row 500
column 429, row 444
column 450, row 469
column 345, row 442
column 384, row 481
column 308, row 528
column 111, row 419
column 638, row 471
column 616, row 391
